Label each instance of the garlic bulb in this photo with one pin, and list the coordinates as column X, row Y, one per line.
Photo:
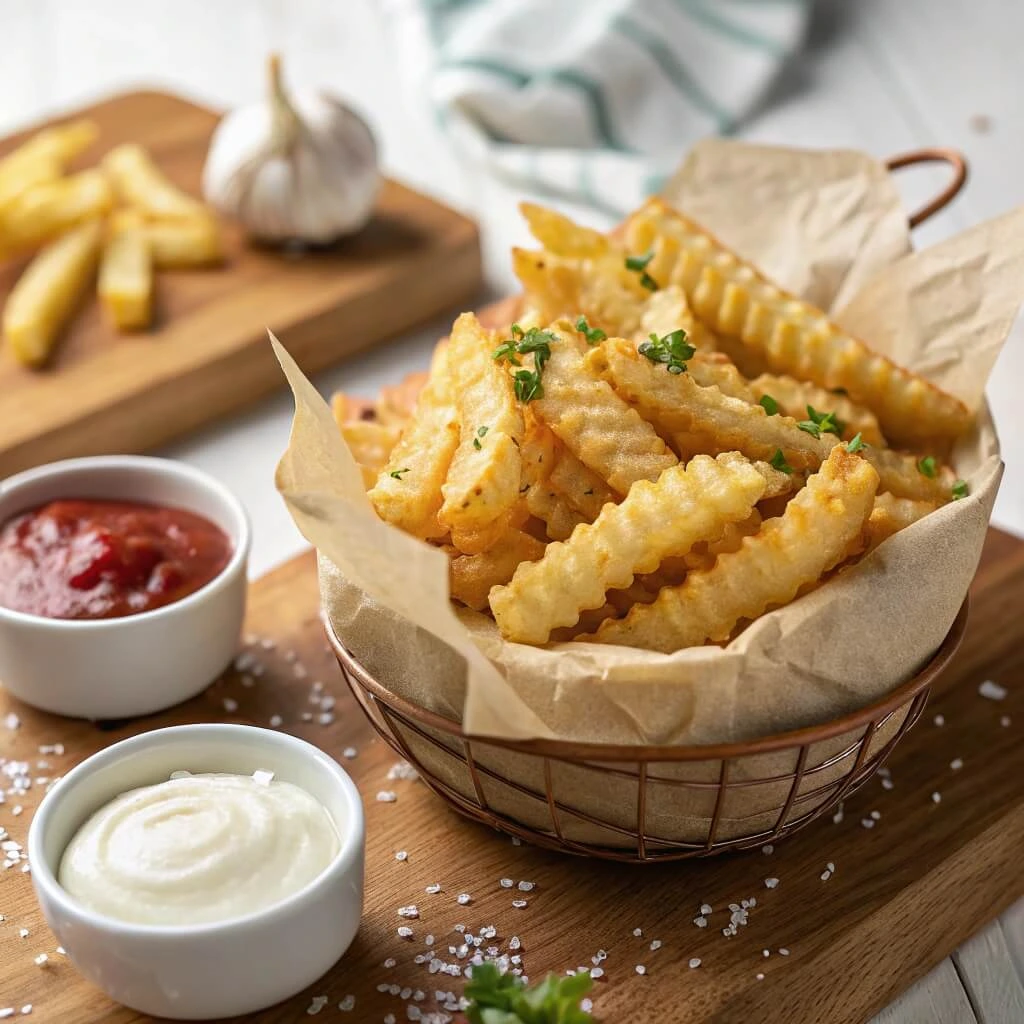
column 300, row 168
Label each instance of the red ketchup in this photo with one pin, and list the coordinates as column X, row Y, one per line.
column 93, row 559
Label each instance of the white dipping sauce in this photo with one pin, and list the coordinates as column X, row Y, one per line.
column 198, row 849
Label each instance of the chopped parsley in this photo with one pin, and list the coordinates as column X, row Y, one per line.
column 526, row 383
column 671, row 349
column 397, row 473
column 769, row 405
column 927, row 466
column 639, row 264
column 856, row 444
column 592, row 334
column 778, row 461
column 821, row 423
column 960, row 490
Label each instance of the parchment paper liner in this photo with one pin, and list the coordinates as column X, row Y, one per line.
column 945, row 311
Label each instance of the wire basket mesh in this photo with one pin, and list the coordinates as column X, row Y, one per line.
column 657, row 803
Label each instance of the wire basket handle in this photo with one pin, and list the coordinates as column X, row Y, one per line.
column 957, row 162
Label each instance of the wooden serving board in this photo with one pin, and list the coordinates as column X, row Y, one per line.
column 905, row 892
column 207, row 354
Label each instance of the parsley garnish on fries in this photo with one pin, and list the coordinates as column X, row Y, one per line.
column 639, row 263
column 769, row 405
column 778, row 461
column 481, row 432
column 856, row 444
column 671, row 349
column 592, row 334
column 821, row 423
column 960, row 490
column 397, row 473
column 496, row 998
column 526, row 382
column 927, row 466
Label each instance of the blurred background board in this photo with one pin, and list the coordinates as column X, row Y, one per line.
column 913, row 876
column 207, row 353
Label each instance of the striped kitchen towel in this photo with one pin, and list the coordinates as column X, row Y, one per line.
column 593, row 100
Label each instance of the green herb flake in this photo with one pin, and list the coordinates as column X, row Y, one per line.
column 960, row 490
column 476, row 443
column 526, row 383
column 826, row 422
column 639, row 264
column 671, row 349
column 496, row 998
column 769, row 405
column 927, row 466
column 397, row 473
column 527, row 386
column 778, row 461
column 592, row 334
column 856, row 444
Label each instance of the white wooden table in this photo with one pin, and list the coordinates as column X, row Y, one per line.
column 880, row 75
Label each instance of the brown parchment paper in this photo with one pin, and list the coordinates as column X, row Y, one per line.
column 821, row 223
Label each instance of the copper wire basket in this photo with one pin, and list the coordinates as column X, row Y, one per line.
column 735, row 795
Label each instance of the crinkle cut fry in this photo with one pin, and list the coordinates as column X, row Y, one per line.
column 543, row 499
column 654, row 521
column 794, row 396
column 473, row 576
column 890, row 515
column 701, row 418
column 407, row 493
column 798, row 339
column 768, row 570
column 485, row 473
column 593, row 422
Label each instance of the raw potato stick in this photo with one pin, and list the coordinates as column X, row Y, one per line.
column 794, row 396
column 407, row 493
column 593, row 422
column 473, row 576
column 48, row 292
column 735, row 299
column 485, row 474
column 140, row 183
column 126, row 279
column 655, row 521
column 768, row 570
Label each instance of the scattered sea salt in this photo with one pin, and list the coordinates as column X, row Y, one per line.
column 23, row 933
column 939, row 720
column 318, row 1003
column 694, row 962
column 230, row 705
column 936, row 797
column 41, row 959
column 410, row 911
column 325, row 717
column 390, row 962
column 701, row 921
column 262, row 778
column 991, row 690
column 887, row 784
column 463, row 899
column 640, row 969
column 638, row 933
column 783, row 951
column 519, row 904
column 385, row 796
column 405, row 932
column 771, row 883
column 306, row 716
column 759, row 976
column 768, row 849
column 433, row 889
column 655, row 945
column 12, row 721
column 276, row 721
column 1005, row 721
column 597, row 972
column 347, row 1004
column 956, row 764
column 867, row 822
column 706, row 908
column 5, row 1012
column 766, row 953
column 526, row 886
column 402, row 855
column 349, row 752
column 402, row 770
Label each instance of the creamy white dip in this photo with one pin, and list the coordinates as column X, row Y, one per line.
column 198, row 849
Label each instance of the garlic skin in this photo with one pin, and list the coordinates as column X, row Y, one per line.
column 293, row 168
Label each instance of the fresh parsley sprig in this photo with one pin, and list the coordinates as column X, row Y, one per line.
column 960, row 490
column 672, row 349
column 822, row 423
column 481, row 432
column 592, row 334
column 778, row 461
column 769, row 405
column 639, row 264
column 927, row 466
column 526, row 383
column 496, row 998
column 856, row 444
column 397, row 473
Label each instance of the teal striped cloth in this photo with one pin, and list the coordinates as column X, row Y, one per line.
column 592, row 100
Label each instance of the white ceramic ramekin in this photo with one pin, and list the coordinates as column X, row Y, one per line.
column 138, row 664
column 211, row 970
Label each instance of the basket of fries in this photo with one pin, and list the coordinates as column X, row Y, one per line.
column 659, row 559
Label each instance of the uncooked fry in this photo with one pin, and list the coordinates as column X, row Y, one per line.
column 408, row 490
column 795, row 337
column 701, row 419
column 182, row 244
column 485, row 474
column 593, row 422
column 48, row 292
column 45, row 211
column 126, row 279
column 794, row 396
column 654, row 521
column 140, row 183
column 473, row 576
column 769, row 568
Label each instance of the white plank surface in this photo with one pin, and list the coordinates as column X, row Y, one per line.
column 880, row 75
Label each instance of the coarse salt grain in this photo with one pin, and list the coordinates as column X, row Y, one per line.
column 771, row 883
column 655, row 945
column 939, row 720
column 325, row 718
column 694, row 962
column 991, row 690
column 23, row 933
column 519, row 904
column 867, row 822
column 385, row 796
column 759, row 976
column 349, row 752
column 638, row 933
column 433, row 889
column 783, row 951
column 429, row 940
column 463, row 899
column 701, row 922
column 306, row 716
column 640, row 969
column 262, row 778
column 706, row 908
column 5, row 1012
column 410, row 911
column 526, row 886
column 405, row 932
column 276, row 721
column 506, row 883
column 12, row 721
column 316, row 1005
column 389, row 1018
column 768, row 849
column 390, row 962
column 597, row 972
column 887, row 784
column 936, row 797
column 347, row 1004
column 230, row 705
column 1005, row 721
column 41, row 959
column 766, row 953
column 956, row 764
column 402, row 855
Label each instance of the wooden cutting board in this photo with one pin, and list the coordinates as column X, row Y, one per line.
column 905, row 892
column 207, row 354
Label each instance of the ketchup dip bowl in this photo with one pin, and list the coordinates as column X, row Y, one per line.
column 136, row 664
column 199, row 972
